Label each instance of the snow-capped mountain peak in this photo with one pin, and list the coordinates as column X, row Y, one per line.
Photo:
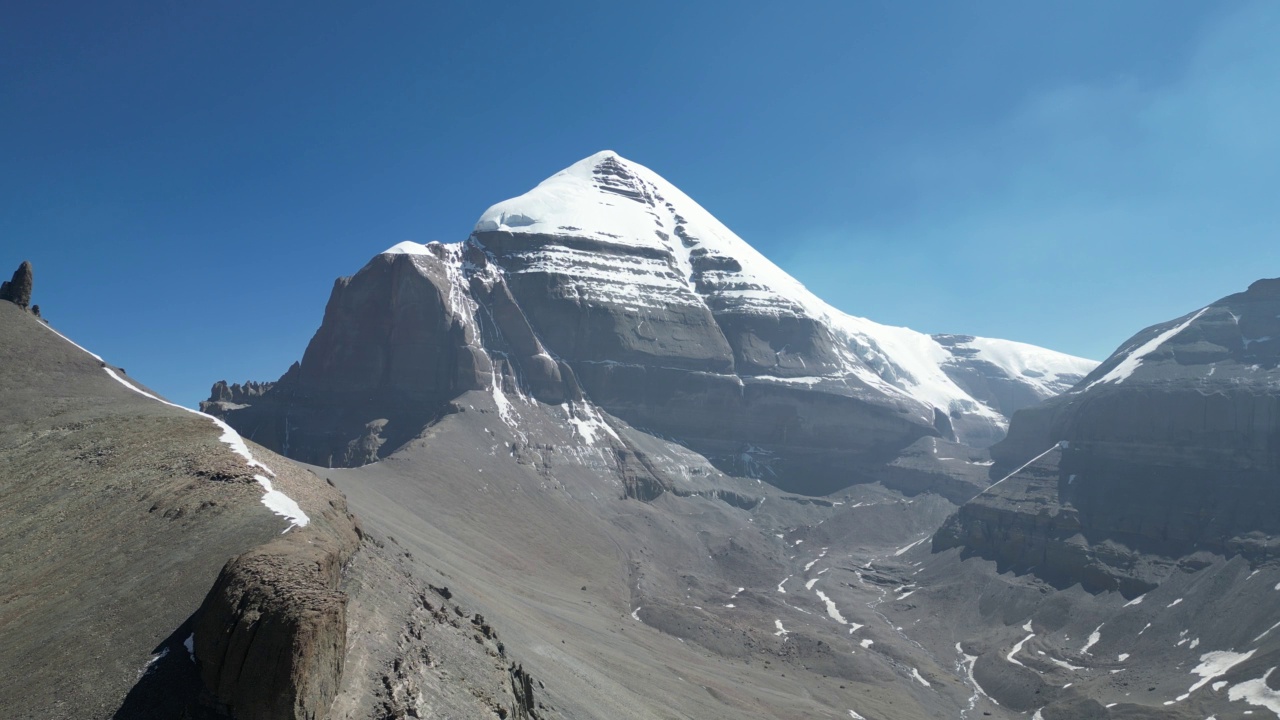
column 629, row 237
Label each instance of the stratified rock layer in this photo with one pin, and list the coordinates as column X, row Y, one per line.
column 1170, row 447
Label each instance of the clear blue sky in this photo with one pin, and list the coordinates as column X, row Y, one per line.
column 189, row 178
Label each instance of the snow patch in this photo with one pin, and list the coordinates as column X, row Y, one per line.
column 1018, row 648
column 1133, row 360
column 900, row 551
column 1094, row 637
column 831, row 608
column 408, row 247
column 1214, row 665
column 276, row 501
column 915, row 673
column 1257, row 692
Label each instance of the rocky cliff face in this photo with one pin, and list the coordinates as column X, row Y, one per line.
column 1169, row 448
column 607, row 286
column 119, row 508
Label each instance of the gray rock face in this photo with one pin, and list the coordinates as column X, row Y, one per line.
column 1171, row 447
column 18, row 290
column 609, row 285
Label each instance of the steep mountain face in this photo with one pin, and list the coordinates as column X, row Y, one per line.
column 1167, row 453
column 156, row 565
column 607, row 283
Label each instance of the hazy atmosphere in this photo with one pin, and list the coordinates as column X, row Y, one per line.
column 1052, row 174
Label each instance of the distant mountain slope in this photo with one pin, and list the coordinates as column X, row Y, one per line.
column 1170, row 447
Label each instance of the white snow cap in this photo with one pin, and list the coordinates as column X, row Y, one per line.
column 408, row 247
column 614, row 201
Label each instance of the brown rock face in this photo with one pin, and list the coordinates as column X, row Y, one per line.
column 1171, row 447
column 270, row 637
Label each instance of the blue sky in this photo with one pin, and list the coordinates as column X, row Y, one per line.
column 188, row 179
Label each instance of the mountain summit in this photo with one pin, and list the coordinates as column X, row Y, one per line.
column 606, row 287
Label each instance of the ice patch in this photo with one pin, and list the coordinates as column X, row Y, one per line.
column 190, row 645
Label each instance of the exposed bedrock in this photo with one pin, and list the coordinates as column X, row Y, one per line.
column 580, row 324
column 1171, row 447
column 270, row 637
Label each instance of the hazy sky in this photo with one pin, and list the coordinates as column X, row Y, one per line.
column 188, row 179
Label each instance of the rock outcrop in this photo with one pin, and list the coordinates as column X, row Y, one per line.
column 271, row 635
column 1168, row 449
column 18, row 290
